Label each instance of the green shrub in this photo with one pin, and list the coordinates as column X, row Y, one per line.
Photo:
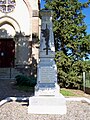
column 23, row 80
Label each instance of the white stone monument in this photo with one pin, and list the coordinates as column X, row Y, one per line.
column 47, row 99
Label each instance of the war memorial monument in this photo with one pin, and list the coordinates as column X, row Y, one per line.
column 47, row 98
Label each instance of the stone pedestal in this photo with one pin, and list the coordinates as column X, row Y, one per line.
column 47, row 105
column 47, row 99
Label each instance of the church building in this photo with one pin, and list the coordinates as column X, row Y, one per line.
column 19, row 35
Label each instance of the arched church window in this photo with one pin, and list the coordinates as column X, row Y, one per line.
column 7, row 6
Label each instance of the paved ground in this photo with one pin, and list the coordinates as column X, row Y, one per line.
column 8, row 89
column 19, row 110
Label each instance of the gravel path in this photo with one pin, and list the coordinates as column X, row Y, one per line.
column 19, row 111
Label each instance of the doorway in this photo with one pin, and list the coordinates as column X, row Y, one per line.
column 7, row 52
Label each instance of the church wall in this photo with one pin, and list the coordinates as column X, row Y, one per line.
column 20, row 24
column 23, row 51
column 35, row 24
column 22, row 17
column 34, row 4
column 21, row 14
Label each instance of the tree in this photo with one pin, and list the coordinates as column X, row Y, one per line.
column 71, row 40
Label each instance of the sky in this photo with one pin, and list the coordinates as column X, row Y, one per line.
column 86, row 12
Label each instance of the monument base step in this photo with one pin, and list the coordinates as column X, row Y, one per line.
column 51, row 89
column 47, row 105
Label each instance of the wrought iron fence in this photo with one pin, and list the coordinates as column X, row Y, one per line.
column 88, row 79
column 87, row 82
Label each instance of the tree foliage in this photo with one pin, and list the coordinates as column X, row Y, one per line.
column 71, row 40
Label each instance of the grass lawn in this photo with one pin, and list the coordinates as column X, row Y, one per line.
column 66, row 92
column 63, row 91
column 71, row 92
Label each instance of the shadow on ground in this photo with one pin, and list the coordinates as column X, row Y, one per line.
column 8, row 89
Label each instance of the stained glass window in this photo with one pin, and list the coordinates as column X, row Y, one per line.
column 7, row 6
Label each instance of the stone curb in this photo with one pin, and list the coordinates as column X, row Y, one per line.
column 8, row 99
column 83, row 99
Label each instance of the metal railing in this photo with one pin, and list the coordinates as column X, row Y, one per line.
column 87, row 78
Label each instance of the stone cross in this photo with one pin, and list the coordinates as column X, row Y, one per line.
column 46, row 34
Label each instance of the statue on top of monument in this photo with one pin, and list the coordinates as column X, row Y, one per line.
column 46, row 35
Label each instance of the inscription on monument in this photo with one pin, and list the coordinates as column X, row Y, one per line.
column 47, row 75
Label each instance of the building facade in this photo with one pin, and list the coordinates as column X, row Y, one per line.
column 19, row 33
